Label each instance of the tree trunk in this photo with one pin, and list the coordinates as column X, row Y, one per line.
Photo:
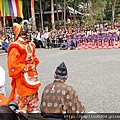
column 57, row 14
column 43, row 9
column 65, row 13
column 101, row 16
column 52, row 14
column 62, row 14
column 41, row 14
column 74, row 14
column 113, row 12
column 33, row 15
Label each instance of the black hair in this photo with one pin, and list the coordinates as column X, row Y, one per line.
column 60, row 77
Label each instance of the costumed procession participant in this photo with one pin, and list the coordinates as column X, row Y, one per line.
column 22, row 63
column 3, row 100
column 69, row 27
column 59, row 98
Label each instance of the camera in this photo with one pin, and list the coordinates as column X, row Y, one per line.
column 14, row 107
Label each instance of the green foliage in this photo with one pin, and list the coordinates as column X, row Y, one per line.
column 108, row 12
column 93, row 11
column 62, row 27
column 117, row 11
column 118, row 17
column 48, row 24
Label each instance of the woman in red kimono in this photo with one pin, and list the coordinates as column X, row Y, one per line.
column 100, row 46
column 83, row 43
column 89, row 43
column 105, row 43
column 116, row 42
column 93, row 44
column 86, row 44
column 22, row 63
column 110, row 46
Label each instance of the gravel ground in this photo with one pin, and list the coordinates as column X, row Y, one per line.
column 94, row 74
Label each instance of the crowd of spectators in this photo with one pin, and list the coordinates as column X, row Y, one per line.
column 108, row 37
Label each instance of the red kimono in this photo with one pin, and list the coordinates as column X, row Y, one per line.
column 110, row 46
column 93, row 45
column 105, row 45
column 86, row 45
column 79, row 46
column 100, row 46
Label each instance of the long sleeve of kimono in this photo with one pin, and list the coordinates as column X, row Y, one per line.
column 15, row 66
column 74, row 105
column 36, row 61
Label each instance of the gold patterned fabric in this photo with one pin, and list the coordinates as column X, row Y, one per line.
column 29, row 103
column 60, row 98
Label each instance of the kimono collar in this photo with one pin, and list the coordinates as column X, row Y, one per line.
column 58, row 80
